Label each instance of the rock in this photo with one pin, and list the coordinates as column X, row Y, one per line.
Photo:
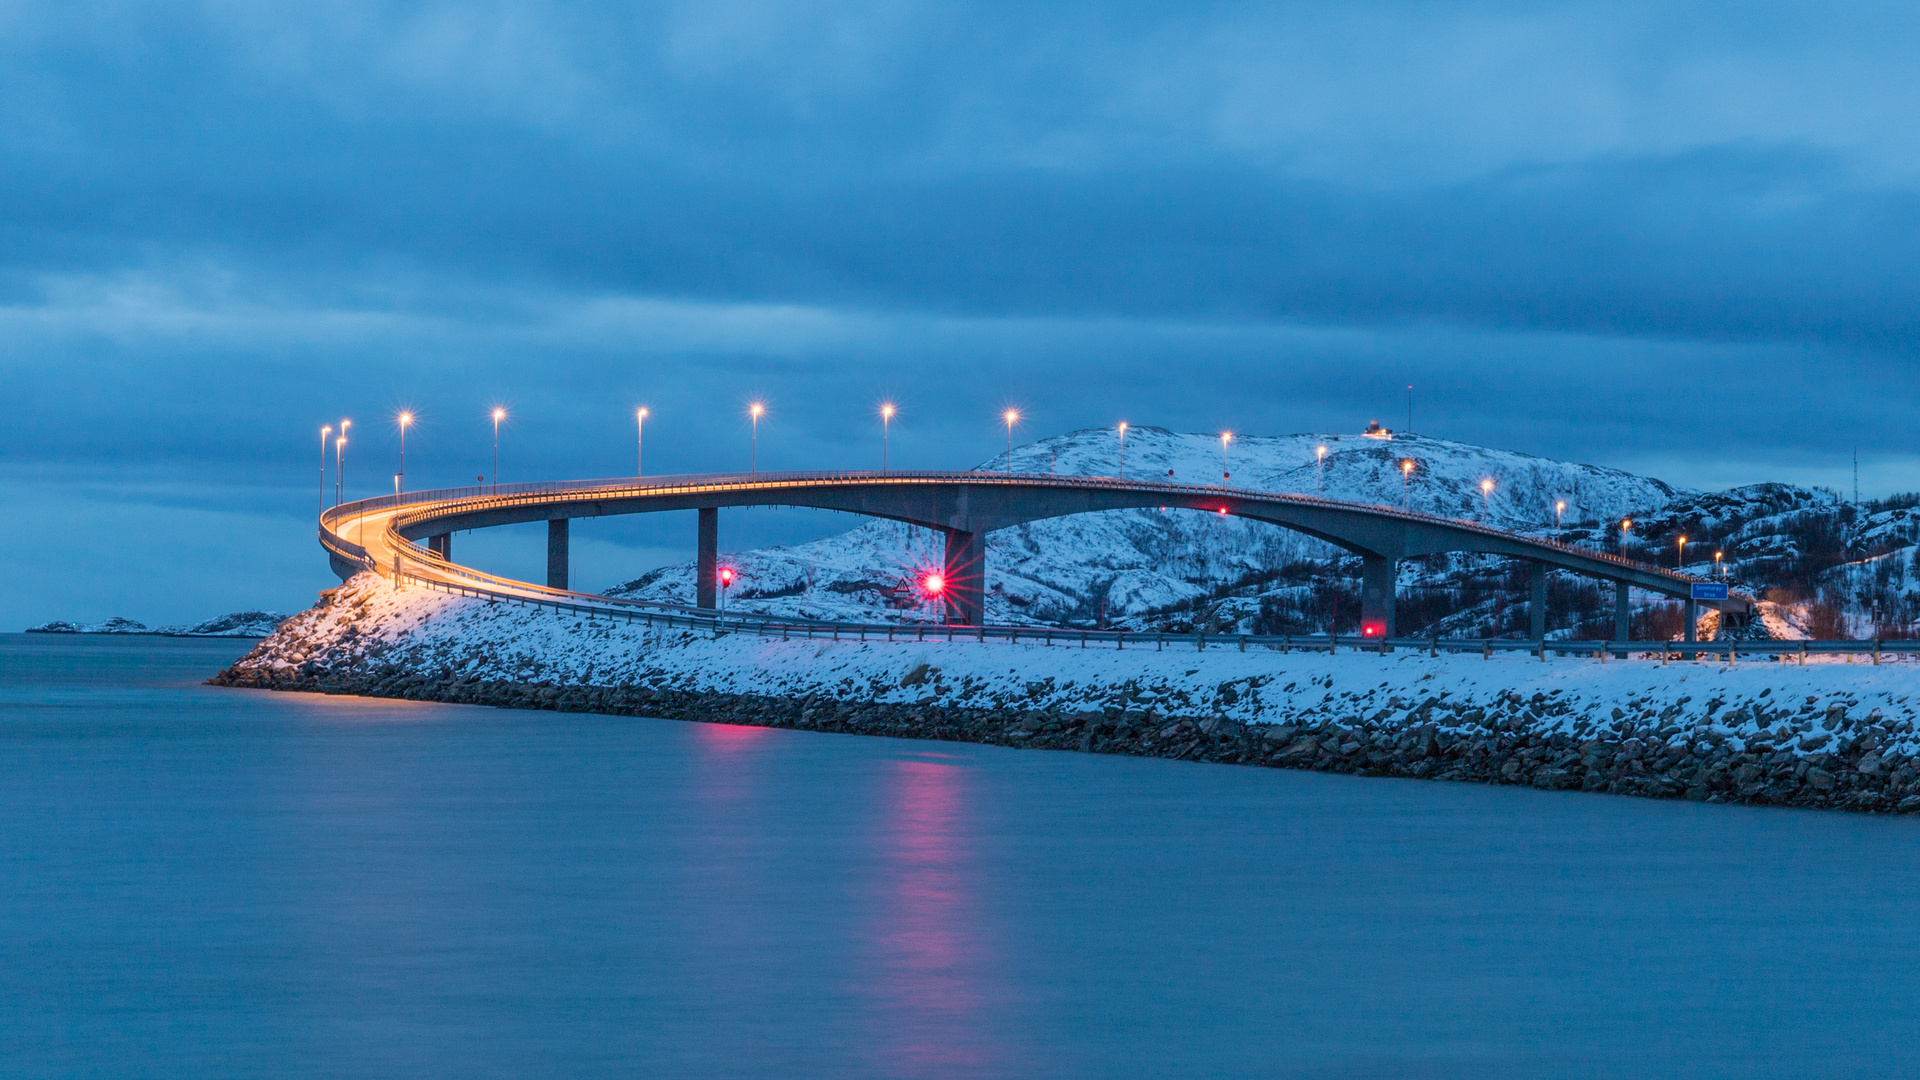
column 1820, row 779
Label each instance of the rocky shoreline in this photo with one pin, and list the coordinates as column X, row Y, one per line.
column 1845, row 763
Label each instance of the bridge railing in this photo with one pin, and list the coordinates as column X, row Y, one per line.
column 484, row 496
column 721, row 624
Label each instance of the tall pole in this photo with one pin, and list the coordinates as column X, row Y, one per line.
column 324, row 432
column 753, row 449
column 640, row 444
column 498, row 415
column 1012, row 416
column 339, row 450
column 405, row 420
column 1486, row 500
column 1406, row 485
column 1226, row 437
column 1122, row 475
column 1559, row 511
column 886, row 429
column 1320, row 470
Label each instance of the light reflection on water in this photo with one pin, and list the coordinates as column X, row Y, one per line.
column 210, row 883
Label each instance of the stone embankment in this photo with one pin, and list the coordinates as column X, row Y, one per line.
column 1846, row 740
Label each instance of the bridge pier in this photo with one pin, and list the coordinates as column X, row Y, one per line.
column 1692, row 629
column 557, row 553
column 1622, row 624
column 1537, row 603
column 441, row 544
column 709, row 558
column 1378, row 577
column 966, row 579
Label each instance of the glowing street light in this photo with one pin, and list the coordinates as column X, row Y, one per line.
column 1319, row 470
column 1226, row 440
column 325, row 431
column 1122, row 475
column 1680, row 560
column 339, row 455
column 755, row 410
column 886, row 429
column 640, row 442
column 1012, row 417
column 1406, row 484
column 1486, row 498
column 405, row 420
column 499, row 414
column 1559, row 509
column 1718, row 569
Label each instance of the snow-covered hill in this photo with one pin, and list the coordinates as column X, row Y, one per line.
column 1126, row 566
column 237, row 624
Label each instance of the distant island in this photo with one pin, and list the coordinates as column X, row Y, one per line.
column 250, row 624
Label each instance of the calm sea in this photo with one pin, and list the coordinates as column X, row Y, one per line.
column 210, row 883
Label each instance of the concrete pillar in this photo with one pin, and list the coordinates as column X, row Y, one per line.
column 966, row 573
column 1378, row 578
column 557, row 553
column 1537, row 603
column 1693, row 620
column 709, row 558
column 1622, row 625
column 441, row 544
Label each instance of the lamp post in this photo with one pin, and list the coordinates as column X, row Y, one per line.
column 1719, row 570
column 339, row 454
column 1226, row 440
column 406, row 421
column 1680, row 559
column 886, row 429
column 1122, row 474
column 1320, row 470
column 1559, row 510
column 325, row 431
column 640, row 443
column 1486, row 499
column 498, row 415
column 1012, row 417
column 754, row 412
column 1406, row 484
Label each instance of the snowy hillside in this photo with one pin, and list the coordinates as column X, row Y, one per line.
column 238, row 624
column 1127, row 567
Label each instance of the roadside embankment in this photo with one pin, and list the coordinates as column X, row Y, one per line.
column 1825, row 735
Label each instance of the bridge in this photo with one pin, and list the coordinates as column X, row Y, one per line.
column 381, row 534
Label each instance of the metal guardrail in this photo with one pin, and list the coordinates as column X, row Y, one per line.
column 720, row 624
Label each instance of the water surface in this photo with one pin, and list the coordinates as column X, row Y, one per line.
column 212, row 883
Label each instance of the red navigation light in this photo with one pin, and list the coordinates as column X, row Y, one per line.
column 934, row 583
column 726, row 576
column 1223, row 509
column 1373, row 629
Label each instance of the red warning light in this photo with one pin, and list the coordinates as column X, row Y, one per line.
column 1373, row 629
column 726, row 576
column 1223, row 509
column 934, row 583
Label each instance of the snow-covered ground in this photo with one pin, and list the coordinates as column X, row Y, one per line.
column 237, row 624
column 370, row 624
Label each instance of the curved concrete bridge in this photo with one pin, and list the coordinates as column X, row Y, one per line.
column 379, row 533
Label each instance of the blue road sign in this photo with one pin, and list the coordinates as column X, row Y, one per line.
column 1709, row 591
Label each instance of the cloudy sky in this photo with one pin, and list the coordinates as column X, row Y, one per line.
column 1673, row 238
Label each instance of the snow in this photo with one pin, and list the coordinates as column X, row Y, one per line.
column 237, row 624
column 440, row 635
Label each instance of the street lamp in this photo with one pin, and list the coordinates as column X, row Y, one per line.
column 1012, row 417
column 1406, row 484
column 325, row 431
column 1718, row 569
column 499, row 414
column 1122, row 475
column 886, row 429
column 640, row 443
column 1559, row 509
column 1319, row 470
column 1680, row 560
column 1486, row 498
column 406, row 421
column 339, row 479
column 1226, row 439
column 754, row 412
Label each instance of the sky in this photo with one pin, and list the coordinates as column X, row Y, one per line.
column 1673, row 238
